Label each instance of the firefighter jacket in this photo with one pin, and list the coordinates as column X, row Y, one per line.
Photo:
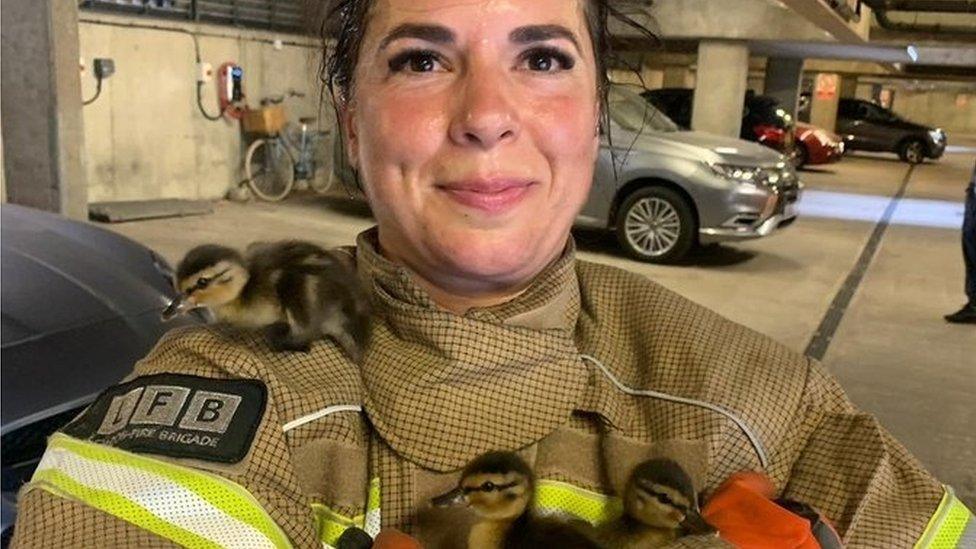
column 215, row 441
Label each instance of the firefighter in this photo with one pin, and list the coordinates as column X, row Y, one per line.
column 474, row 127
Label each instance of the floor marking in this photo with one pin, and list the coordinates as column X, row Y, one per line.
column 822, row 337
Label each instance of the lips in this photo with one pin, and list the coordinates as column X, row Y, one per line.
column 495, row 195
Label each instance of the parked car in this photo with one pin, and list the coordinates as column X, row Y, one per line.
column 815, row 145
column 872, row 127
column 80, row 305
column 763, row 119
column 663, row 190
column 875, row 128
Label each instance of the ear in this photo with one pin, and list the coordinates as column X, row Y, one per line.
column 350, row 137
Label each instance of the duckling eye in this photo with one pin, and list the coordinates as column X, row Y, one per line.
column 203, row 282
column 663, row 498
column 488, row 486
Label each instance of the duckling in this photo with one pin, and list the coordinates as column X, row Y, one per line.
column 660, row 505
column 296, row 291
column 499, row 487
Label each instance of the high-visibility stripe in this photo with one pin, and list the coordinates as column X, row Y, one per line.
column 951, row 527
column 371, row 522
column 552, row 496
column 189, row 507
column 330, row 525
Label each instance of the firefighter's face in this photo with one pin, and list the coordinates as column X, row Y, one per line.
column 473, row 126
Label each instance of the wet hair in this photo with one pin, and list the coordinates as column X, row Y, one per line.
column 344, row 22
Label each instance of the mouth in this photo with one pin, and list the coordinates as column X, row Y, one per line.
column 453, row 498
column 178, row 306
column 493, row 196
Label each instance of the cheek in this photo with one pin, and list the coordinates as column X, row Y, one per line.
column 401, row 131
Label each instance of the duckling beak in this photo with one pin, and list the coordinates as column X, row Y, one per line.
column 453, row 498
column 178, row 306
column 695, row 525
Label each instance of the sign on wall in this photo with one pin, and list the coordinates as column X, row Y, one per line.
column 826, row 85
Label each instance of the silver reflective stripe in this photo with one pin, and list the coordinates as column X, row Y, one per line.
column 298, row 422
column 750, row 434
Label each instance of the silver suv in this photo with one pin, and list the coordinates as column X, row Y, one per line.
column 664, row 190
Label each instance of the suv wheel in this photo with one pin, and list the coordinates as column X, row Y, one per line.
column 912, row 151
column 656, row 225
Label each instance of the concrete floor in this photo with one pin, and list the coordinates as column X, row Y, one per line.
column 892, row 351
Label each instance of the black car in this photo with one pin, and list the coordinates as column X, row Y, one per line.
column 875, row 128
column 763, row 118
column 80, row 305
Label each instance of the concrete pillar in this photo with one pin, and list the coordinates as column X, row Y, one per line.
column 848, row 86
column 43, row 136
column 720, row 89
column 676, row 77
column 824, row 100
column 783, row 81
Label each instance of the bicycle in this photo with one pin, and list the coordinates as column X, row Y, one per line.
column 273, row 163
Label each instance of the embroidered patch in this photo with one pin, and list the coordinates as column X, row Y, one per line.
column 176, row 415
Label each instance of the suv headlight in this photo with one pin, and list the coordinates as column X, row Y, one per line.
column 937, row 135
column 752, row 175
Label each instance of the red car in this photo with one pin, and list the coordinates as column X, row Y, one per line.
column 814, row 145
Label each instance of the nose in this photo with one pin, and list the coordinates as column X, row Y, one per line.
column 485, row 115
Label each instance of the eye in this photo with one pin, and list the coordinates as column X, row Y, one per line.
column 203, row 282
column 488, row 486
column 416, row 61
column 546, row 59
column 664, row 499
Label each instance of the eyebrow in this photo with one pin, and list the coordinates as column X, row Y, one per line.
column 431, row 33
column 541, row 33
column 440, row 34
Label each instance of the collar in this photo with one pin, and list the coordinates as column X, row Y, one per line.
column 441, row 388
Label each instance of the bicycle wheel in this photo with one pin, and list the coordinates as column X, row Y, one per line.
column 270, row 170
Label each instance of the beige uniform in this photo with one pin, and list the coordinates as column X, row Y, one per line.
column 588, row 372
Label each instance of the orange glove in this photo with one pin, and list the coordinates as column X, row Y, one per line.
column 395, row 539
column 744, row 513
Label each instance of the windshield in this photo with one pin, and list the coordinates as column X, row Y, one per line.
column 635, row 113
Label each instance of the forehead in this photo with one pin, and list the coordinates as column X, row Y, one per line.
column 474, row 17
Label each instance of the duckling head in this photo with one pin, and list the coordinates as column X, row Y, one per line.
column 208, row 276
column 660, row 494
column 496, row 486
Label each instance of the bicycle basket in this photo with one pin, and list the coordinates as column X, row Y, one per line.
column 265, row 120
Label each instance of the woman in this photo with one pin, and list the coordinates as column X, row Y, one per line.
column 474, row 126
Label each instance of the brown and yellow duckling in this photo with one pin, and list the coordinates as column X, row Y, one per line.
column 660, row 505
column 295, row 290
column 499, row 488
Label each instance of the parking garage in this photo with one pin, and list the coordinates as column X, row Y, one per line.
column 800, row 167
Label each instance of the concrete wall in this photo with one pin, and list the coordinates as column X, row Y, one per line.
column 939, row 108
column 145, row 137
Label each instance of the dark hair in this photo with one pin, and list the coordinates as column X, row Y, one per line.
column 345, row 22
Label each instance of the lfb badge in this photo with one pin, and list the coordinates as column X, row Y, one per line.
column 177, row 415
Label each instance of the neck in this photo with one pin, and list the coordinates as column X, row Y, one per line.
column 457, row 294
column 489, row 534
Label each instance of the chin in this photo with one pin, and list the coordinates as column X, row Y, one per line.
column 500, row 255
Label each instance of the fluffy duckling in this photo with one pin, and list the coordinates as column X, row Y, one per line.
column 660, row 505
column 295, row 290
column 499, row 488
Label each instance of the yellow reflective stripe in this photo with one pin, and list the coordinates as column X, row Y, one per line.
column 947, row 526
column 61, row 485
column 222, row 494
column 330, row 525
column 560, row 497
